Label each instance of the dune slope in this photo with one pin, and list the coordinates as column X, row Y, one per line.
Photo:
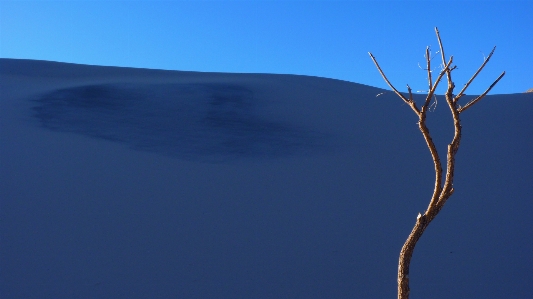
column 137, row 183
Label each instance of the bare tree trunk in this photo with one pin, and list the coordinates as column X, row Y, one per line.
column 405, row 256
column 441, row 192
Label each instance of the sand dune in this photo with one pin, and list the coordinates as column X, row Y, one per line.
column 136, row 183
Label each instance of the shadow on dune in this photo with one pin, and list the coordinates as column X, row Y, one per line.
column 212, row 122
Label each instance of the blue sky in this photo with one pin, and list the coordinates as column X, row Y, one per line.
column 317, row 38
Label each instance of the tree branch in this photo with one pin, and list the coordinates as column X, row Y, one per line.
column 461, row 93
column 428, row 59
column 409, row 102
column 448, row 73
column 410, row 94
column 434, row 87
column 430, row 81
column 469, row 104
column 436, row 160
column 453, row 147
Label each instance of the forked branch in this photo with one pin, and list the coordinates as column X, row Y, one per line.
column 434, row 87
column 472, row 102
column 409, row 101
column 461, row 93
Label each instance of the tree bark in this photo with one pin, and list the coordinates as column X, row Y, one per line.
column 407, row 253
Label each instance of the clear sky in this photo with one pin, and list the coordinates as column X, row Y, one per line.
column 317, row 38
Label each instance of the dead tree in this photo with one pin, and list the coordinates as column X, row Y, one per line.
column 442, row 190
